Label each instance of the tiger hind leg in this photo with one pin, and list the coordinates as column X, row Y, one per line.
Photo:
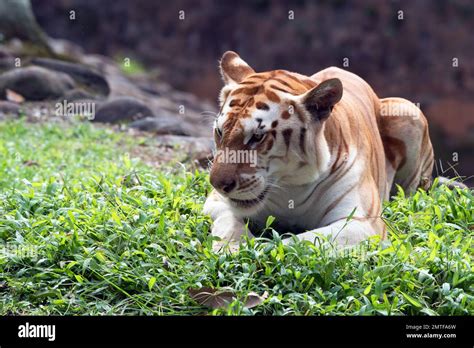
column 408, row 150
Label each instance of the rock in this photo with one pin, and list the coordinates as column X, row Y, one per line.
column 177, row 112
column 97, row 61
column 151, row 87
column 190, row 101
column 122, row 109
column 65, row 48
column 77, row 94
column 120, row 85
column 167, row 123
column 8, row 109
column 35, row 83
column 6, row 63
column 82, row 74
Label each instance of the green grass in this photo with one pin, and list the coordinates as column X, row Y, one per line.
column 130, row 66
column 85, row 229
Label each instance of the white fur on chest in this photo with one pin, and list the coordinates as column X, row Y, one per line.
column 309, row 206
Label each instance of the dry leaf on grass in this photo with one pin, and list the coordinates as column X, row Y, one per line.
column 212, row 298
column 14, row 97
column 215, row 298
column 254, row 299
column 30, row 163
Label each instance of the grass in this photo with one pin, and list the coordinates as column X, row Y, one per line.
column 85, row 229
column 130, row 66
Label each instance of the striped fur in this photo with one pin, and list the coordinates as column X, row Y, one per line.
column 327, row 148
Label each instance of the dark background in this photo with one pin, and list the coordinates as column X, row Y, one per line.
column 411, row 58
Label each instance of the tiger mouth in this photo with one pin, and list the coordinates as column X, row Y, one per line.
column 245, row 203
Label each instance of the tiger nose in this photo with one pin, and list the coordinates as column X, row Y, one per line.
column 224, row 184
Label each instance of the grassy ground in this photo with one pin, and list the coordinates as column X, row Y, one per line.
column 85, row 229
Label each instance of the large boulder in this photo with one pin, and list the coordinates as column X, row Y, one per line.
column 122, row 109
column 35, row 83
column 84, row 75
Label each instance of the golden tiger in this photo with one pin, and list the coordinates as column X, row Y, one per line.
column 326, row 148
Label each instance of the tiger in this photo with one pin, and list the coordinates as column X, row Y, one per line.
column 328, row 153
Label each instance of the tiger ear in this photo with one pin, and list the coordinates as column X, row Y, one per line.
column 233, row 68
column 320, row 100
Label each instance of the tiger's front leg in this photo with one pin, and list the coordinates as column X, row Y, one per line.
column 226, row 225
column 342, row 232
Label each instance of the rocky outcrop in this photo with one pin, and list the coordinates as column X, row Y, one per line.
column 141, row 104
column 145, row 103
column 122, row 109
column 173, row 112
column 35, row 83
column 86, row 76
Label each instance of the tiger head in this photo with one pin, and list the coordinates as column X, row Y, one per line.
column 268, row 132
